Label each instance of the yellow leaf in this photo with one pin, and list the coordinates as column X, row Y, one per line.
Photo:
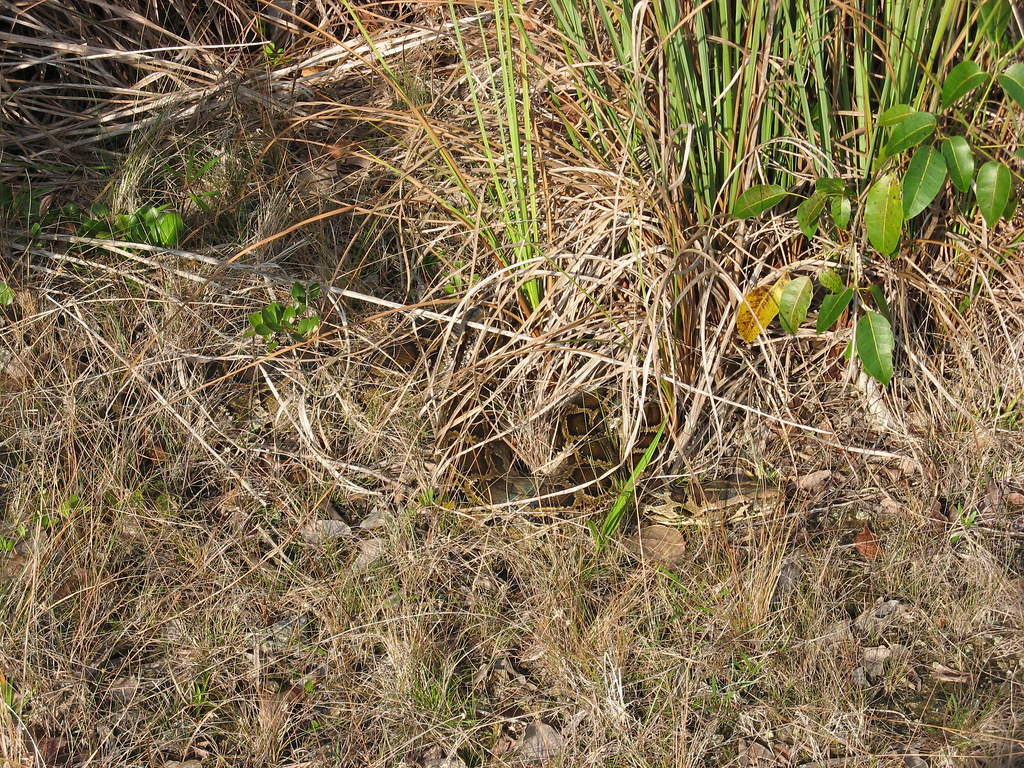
column 758, row 309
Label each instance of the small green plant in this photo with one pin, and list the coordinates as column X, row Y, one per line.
column 149, row 225
column 456, row 283
column 897, row 192
column 275, row 55
column 966, row 519
column 191, row 176
column 294, row 320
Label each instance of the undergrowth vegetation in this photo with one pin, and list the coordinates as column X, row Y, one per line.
column 279, row 283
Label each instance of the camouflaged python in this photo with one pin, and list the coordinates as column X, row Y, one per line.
column 588, row 459
column 489, row 472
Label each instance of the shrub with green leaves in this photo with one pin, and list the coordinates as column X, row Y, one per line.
column 898, row 190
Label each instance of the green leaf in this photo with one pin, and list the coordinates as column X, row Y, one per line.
column 307, row 325
column 757, row 200
column 255, row 319
column 6, row 294
column 168, row 229
column 959, row 161
column 874, row 346
column 832, row 306
column 880, row 303
column 923, row 180
column 895, row 115
column 95, row 228
column 298, row 291
column 830, row 280
column 994, row 18
column 264, row 331
column 1012, row 82
column 147, row 214
column 794, row 302
column 288, row 315
column 809, row 211
column 314, row 291
column 992, row 190
column 830, row 186
column 964, row 78
column 619, row 508
column 272, row 315
column 911, row 132
column 883, row 214
column 841, row 211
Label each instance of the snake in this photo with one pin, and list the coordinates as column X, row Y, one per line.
column 487, row 470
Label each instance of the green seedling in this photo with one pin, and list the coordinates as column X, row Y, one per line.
column 966, row 520
column 293, row 320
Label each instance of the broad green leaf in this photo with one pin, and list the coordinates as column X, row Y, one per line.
column 883, row 214
column 308, row 325
column 959, row 161
column 874, row 346
column 994, row 18
column 992, row 190
column 288, row 315
column 841, row 211
column 911, row 132
column 6, row 294
column 757, row 200
column 298, row 291
column 1012, row 82
column 758, row 308
column 895, row 115
column 263, row 330
column 832, row 306
column 809, row 211
column 794, row 303
column 147, row 214
column 314, row 291
column 272, row 314
column 830, row 280
column 830, row 186
column 880, row 303
column 168, row 229
column 964, row 78
column 256, row 319
column 923, row 180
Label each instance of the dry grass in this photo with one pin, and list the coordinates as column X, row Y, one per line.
column 163, row 599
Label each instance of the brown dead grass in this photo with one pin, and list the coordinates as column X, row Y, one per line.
column 161, row 603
